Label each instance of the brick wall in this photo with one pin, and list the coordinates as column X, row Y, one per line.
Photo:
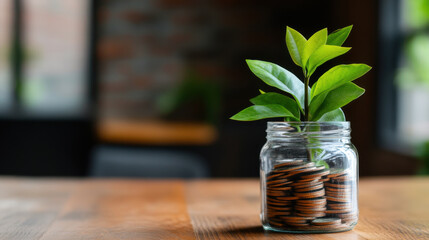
column 145, row 47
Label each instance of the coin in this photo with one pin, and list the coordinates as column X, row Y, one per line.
column 316, row 214
column 336, row 199
column 311, row 194
column 320, row 200
column 300, row 183
column 289, row 163
column 327, row 184
column 296, row 219
column 335, row 211
column 326, row 221
column 299, row 193
column 276, row 193
column 277, row 203
column 274, row 175
column 307, row 189
column 288, row 198
column 316, row 174
column 337, row 172
column 278, row 181
column 288, row 169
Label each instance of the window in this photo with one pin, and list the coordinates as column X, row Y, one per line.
column 413, row 73
column 5, row 49
column 403, row 110
column 44, row 55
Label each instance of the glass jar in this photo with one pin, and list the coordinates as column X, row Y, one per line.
column 309, row 177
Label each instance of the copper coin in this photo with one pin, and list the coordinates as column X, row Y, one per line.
column 278, row 214
column 307, row 189
column 331, row 189
column 336, row 172
column 336, row 199
column 278, row 181
column 296, row 219
column 321, row 210
column 311, row 194
column 289, row 163
column 335, row 211
column 300, row 183
column 288, row 198
column 272, row 199
column 347, row 215
column 280, row 188
column 282, row 184
column 317, row 214
column 343, row 178
column 316, row 206
column 325, row 221
column 320, row 200
column 284, row 202
column 339, row 192
column 274, row 175
column 277, row 203
column 339, row 206
column 310, row 208
column 298, row 224
column 288, row 169
column 276, row 193
column 317, row 174
column 327, row 184
column 309, row 184
column 279, row 208
column 277, row 224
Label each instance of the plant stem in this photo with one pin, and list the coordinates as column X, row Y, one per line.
column 306, row 82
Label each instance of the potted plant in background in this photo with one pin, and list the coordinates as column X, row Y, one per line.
column 309, row 167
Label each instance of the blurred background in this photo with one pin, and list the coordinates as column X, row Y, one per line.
column 146, row 88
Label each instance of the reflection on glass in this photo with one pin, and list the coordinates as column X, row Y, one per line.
column 55, row 52
column 5, row 45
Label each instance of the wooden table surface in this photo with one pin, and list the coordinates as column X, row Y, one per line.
column 390, row 208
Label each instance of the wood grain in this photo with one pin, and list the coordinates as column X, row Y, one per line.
column 391, row 208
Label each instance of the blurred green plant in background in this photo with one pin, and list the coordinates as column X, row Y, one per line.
column 423, row 154
column 416, row 70
column 413, row 75
column 416, row 13
column 196, row 98
column 416, row 47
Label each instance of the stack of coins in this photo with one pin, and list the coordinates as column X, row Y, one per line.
column 338, row 195
column 298, row 196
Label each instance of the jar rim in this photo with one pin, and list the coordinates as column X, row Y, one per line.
column 305, row 129
column 344, row 124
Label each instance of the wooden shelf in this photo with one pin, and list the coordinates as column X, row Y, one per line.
column 155, row 132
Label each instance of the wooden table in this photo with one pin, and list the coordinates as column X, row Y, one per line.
column 391, row 208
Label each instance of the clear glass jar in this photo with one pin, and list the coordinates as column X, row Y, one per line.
column 309, row 178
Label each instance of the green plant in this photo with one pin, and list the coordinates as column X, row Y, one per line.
column 321, row 102
column 423, row 155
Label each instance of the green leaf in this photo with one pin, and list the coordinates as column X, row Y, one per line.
column 258, row 112
column 295, row 43
column 261, row 91
column 339, row 36
column 331, row 100
column 277, row 98
column 276, row 76
column 322, row 55
column 338, row 76
column 336, row 115
column 314, row 42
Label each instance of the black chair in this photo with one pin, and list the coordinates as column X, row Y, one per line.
column 114, row 161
